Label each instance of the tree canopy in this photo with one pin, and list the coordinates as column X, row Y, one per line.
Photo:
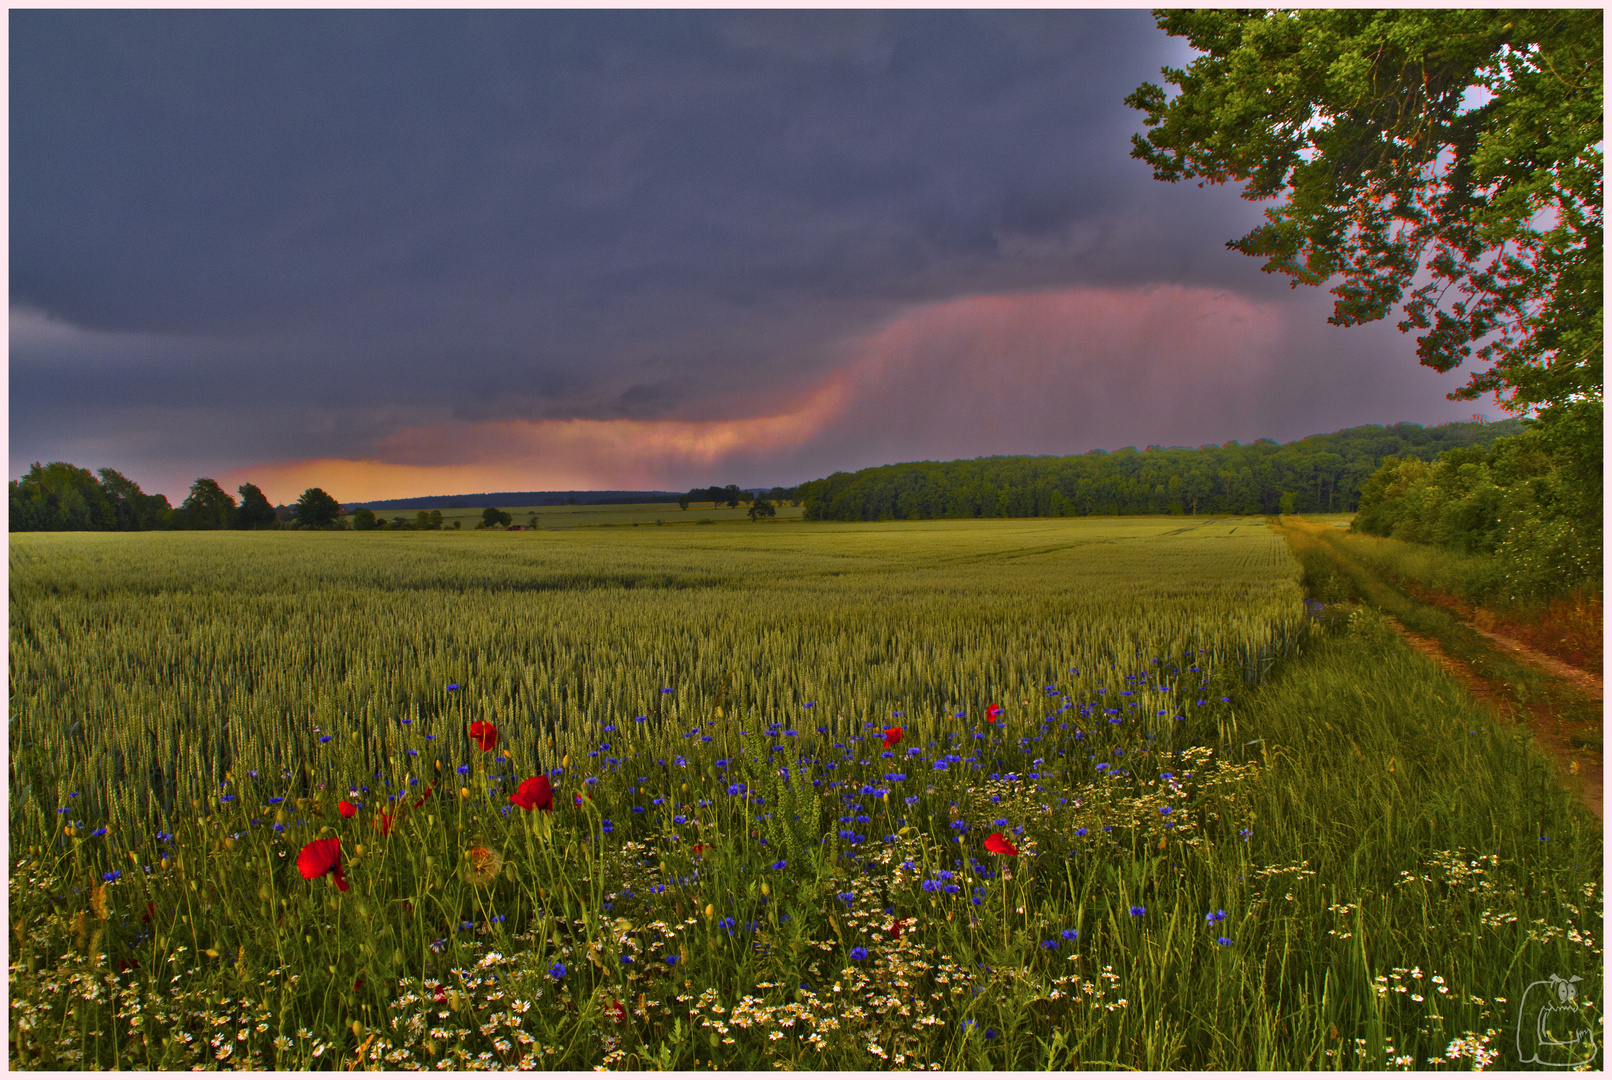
column 208, row 506
column 317, row 509
column 255, row 511
column 1461, row 145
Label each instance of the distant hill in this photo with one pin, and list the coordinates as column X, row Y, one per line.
column 502, row 499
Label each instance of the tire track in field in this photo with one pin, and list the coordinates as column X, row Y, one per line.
column 1581, row 767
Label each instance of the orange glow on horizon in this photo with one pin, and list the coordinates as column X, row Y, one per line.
column 1022, row 373
column 545, row 455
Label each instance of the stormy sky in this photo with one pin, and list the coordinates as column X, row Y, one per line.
column 399, row 253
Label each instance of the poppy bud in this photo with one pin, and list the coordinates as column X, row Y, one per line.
column 464, row 793
column 764, row 890
column 358, row 1029
column 358, row 849
column 165, row 864
column 439, row 765
column 229, row 845
column 565, row 762
column 709, row 911
column 70, row 831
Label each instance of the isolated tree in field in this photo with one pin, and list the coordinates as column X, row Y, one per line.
column 731, row 495
column 683, row 501
column 317, row 509
column 208, row 506
column 363, row 518
column 762, row 508
column 492, row 517
column 1464, row 145
column 255, row 511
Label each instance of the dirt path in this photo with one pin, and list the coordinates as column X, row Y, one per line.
column 1581, row 767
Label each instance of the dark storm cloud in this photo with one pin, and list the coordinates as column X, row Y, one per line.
column 305, row 229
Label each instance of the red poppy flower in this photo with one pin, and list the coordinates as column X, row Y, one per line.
column 992, row 712
column 484, row 734
column 320, row 858
column 617, row 1013
column 891, row 737
column 358, row 984
column 347, row 809
column 699, row 850
column 384, row 824
column 1000, row 844
column 424, row 795
column 535, row 793
column 578, row 798
column 894, row 930
column 151, row 909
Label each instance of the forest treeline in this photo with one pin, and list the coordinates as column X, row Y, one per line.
column 1532, row 500
column 1319, row 474
column 60, row 497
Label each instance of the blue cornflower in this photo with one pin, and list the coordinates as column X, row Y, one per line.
column 845, row 898
column 1070, row 935
column 726, row 924
column 940, row 765
column 607, row 826
column 679, row 819
column 111, row 875
column 453, row 686
column 638, row 809
column 999, row 822
column 277, row 799
column 671, row 961
column 1049, row 944
column 1215, row 916
column 779, row 865
column 859, row 953
column 1223, row 941
column 463, row 769
column 1138, row 910
column 1080, row 832
column 557, row 972
column 991, row 1033
column 736, row 789
column 808, row 705
column 99, row 832
column 959, row 826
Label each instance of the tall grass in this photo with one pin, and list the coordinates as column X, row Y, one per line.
column 739, row 873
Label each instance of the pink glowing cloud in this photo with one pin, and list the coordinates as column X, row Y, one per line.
column 1053, row 372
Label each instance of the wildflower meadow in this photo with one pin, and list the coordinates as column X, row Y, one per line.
column 1061, row 793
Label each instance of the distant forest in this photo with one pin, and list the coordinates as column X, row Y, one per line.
column 1319, row 474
